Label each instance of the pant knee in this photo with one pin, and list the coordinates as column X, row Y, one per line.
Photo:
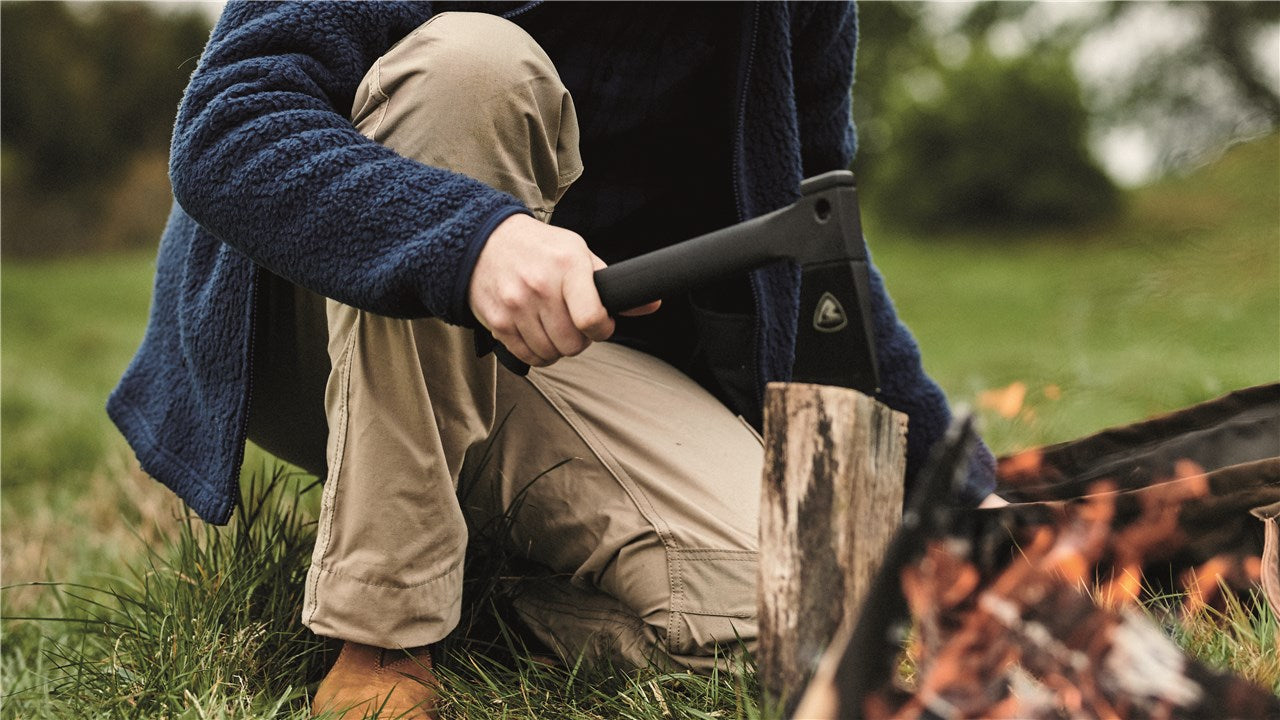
column 465, row 77
column 585, row 623
column 489, row 50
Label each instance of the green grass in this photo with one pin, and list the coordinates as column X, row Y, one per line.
column 73, row 503
column 1175, row 303
column 202, row 626
column 70, row 328
column 1236, row 637
column 155, row 616
column 205, row 626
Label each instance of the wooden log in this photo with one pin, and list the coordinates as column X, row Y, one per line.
column 832, row 498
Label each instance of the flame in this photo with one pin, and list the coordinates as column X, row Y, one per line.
column 1034, row 612
column 1024, row 467
column 1005, row 401
column 1202, row 584
column 1123, row 589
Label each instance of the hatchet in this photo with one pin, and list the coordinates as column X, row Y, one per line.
column 821, row 233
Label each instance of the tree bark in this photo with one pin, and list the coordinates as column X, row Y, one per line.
column 832, row 498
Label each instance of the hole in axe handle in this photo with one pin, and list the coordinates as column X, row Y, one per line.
column 822, row 209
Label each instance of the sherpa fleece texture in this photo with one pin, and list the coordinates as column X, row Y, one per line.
column 268, row 172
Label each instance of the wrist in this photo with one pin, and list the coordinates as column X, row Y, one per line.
column 460, row 306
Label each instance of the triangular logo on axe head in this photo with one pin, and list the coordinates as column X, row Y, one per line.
column 829, row 316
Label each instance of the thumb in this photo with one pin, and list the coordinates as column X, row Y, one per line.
column 598, row 264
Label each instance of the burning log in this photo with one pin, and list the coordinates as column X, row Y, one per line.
column 1031, row 610
column 862, row 660
column 1088, row 659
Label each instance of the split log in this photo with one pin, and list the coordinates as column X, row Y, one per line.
column 832, row 499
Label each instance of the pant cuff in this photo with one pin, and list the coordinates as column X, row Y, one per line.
column 384, row 616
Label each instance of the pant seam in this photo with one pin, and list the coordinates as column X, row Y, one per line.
column 727, row 614
column 717, row 554
column 600, row 449
column 568, row 177
column 335, row 466
column 383, row 100
column 675, row 610
column 451, row 570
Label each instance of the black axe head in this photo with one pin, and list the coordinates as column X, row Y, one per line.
column 835, row 344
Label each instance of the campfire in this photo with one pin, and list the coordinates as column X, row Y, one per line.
column 1043, row 608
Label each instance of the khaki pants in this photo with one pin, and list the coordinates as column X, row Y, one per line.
column 634, row 487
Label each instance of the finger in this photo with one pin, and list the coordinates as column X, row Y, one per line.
column 586, row 313
column 517, row 347
column 560, row 328
column 535, row 337
column 643, row 309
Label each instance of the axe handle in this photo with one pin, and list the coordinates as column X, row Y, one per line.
column 738, row 248
column 676, row 268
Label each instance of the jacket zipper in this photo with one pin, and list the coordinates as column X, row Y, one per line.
column 738, row 139
column 739, row 150
column 522, row 9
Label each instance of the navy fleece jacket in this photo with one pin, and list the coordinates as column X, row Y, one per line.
column 268, row 172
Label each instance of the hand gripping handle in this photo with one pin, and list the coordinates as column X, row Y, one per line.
column 822, row 227
column 676, row 268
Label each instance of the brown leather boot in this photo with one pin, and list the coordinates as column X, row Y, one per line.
column 368, row 681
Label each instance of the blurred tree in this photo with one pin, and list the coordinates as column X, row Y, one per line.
column 1227, row 37
column 1197, row 76
column 1195, row 96
column 953, row 136
column 993, row 142
column 940, row 89
column 87, row 92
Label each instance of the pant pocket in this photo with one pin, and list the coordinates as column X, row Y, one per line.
column 713, row 600
column 725, row 356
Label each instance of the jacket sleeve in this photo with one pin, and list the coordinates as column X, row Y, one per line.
column 265, row 158
column 823, row 44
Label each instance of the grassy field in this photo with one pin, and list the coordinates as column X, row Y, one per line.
column 1175, row 302
column 72, row 500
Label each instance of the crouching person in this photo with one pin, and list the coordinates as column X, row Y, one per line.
column 370, row 197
